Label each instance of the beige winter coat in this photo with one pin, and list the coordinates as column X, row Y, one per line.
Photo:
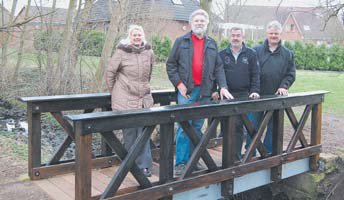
column 128, row 76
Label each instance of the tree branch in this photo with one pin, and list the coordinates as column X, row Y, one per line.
column 18, row 24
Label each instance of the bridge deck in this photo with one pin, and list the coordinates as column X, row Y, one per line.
column 62, row 187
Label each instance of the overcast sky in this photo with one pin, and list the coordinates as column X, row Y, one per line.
column 64, row 3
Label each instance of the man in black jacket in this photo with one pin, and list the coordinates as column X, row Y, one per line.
column 242, row 75
column 193, row 66
column 278, row 72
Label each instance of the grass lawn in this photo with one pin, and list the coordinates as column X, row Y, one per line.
column 305, row 81
column 319, row 80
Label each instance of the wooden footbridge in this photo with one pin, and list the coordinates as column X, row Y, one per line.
column 114, row 175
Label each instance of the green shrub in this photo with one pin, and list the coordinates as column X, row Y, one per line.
column 92, row 43
column 161, row 47
column 40, row 42
column 336, row 58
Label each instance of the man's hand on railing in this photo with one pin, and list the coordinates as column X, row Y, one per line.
column 282, row 92
column 215, row 96
column 224, row 93
column 254, row 95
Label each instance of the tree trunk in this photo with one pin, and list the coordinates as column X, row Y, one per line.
column 21, row 46
column 5, row 41
column 110, row 39
column 80, row 20
column 206, row 5
column 63, row 61
column 50, row 79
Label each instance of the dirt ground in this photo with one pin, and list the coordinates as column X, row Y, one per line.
column 12, row 170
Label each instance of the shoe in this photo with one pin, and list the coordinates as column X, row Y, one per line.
column 146, row 172
column 179, row 169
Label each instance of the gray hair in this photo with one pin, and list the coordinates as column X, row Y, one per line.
column 275, row 25
column 237, row 28
column 199, row 12
column 126, row 41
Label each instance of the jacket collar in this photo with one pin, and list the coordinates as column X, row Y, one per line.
column 207, row 39
column 243, row 49
column 134, row 49
column 266, row 46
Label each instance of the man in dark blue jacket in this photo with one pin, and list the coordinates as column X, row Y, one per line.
column 242, row 75
column 277, row 72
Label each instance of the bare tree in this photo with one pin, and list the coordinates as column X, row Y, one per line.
column 21, row 45
column 63, row 61
column 207, row 6
column 119, row 12
column 5, row 41
column 50, row 80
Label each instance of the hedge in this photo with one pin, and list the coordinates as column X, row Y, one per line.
column 307, row 55
column 317, row 57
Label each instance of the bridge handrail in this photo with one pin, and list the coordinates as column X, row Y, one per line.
column 223, row 111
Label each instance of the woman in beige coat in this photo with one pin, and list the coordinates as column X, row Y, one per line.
column 127, row 78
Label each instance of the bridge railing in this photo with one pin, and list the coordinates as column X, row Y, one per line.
column 56, row 105
column 224, row 112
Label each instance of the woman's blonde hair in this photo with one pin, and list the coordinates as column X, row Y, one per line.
column 126, row 41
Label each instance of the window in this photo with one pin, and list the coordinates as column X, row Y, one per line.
column 290, row 28
column 177, row 2
column 306, row 28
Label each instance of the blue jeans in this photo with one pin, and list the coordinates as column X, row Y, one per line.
column 256, row 118
column 183, row 146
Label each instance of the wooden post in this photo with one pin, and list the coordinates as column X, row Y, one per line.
column 34, row 140
column 105, row 148
column 228, row 153
column 277, row 142
column 316, row 133
column 166, row 155
column 83, row 161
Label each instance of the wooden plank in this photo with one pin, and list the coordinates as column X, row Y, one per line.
column 117, row 147
column 295, row 124
column 83, row 182
column 108, row 121
column 277, row 142
column 299, row 128
column 316, row 133
column 94, row 190
column 105, row 148
column 64, row 184
column 201, row 150
column 251, row 131
column 216, row 155
column 85, row 101
column 257, row 137
column 60, row 151
column 228, row 153
column 53, row 191
column 171, row 188
column 166, row 154
column 34, row 141
column 129, row 180
column 191, row 133
column 127, row 163
column 68, row 167
column 67, row 127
